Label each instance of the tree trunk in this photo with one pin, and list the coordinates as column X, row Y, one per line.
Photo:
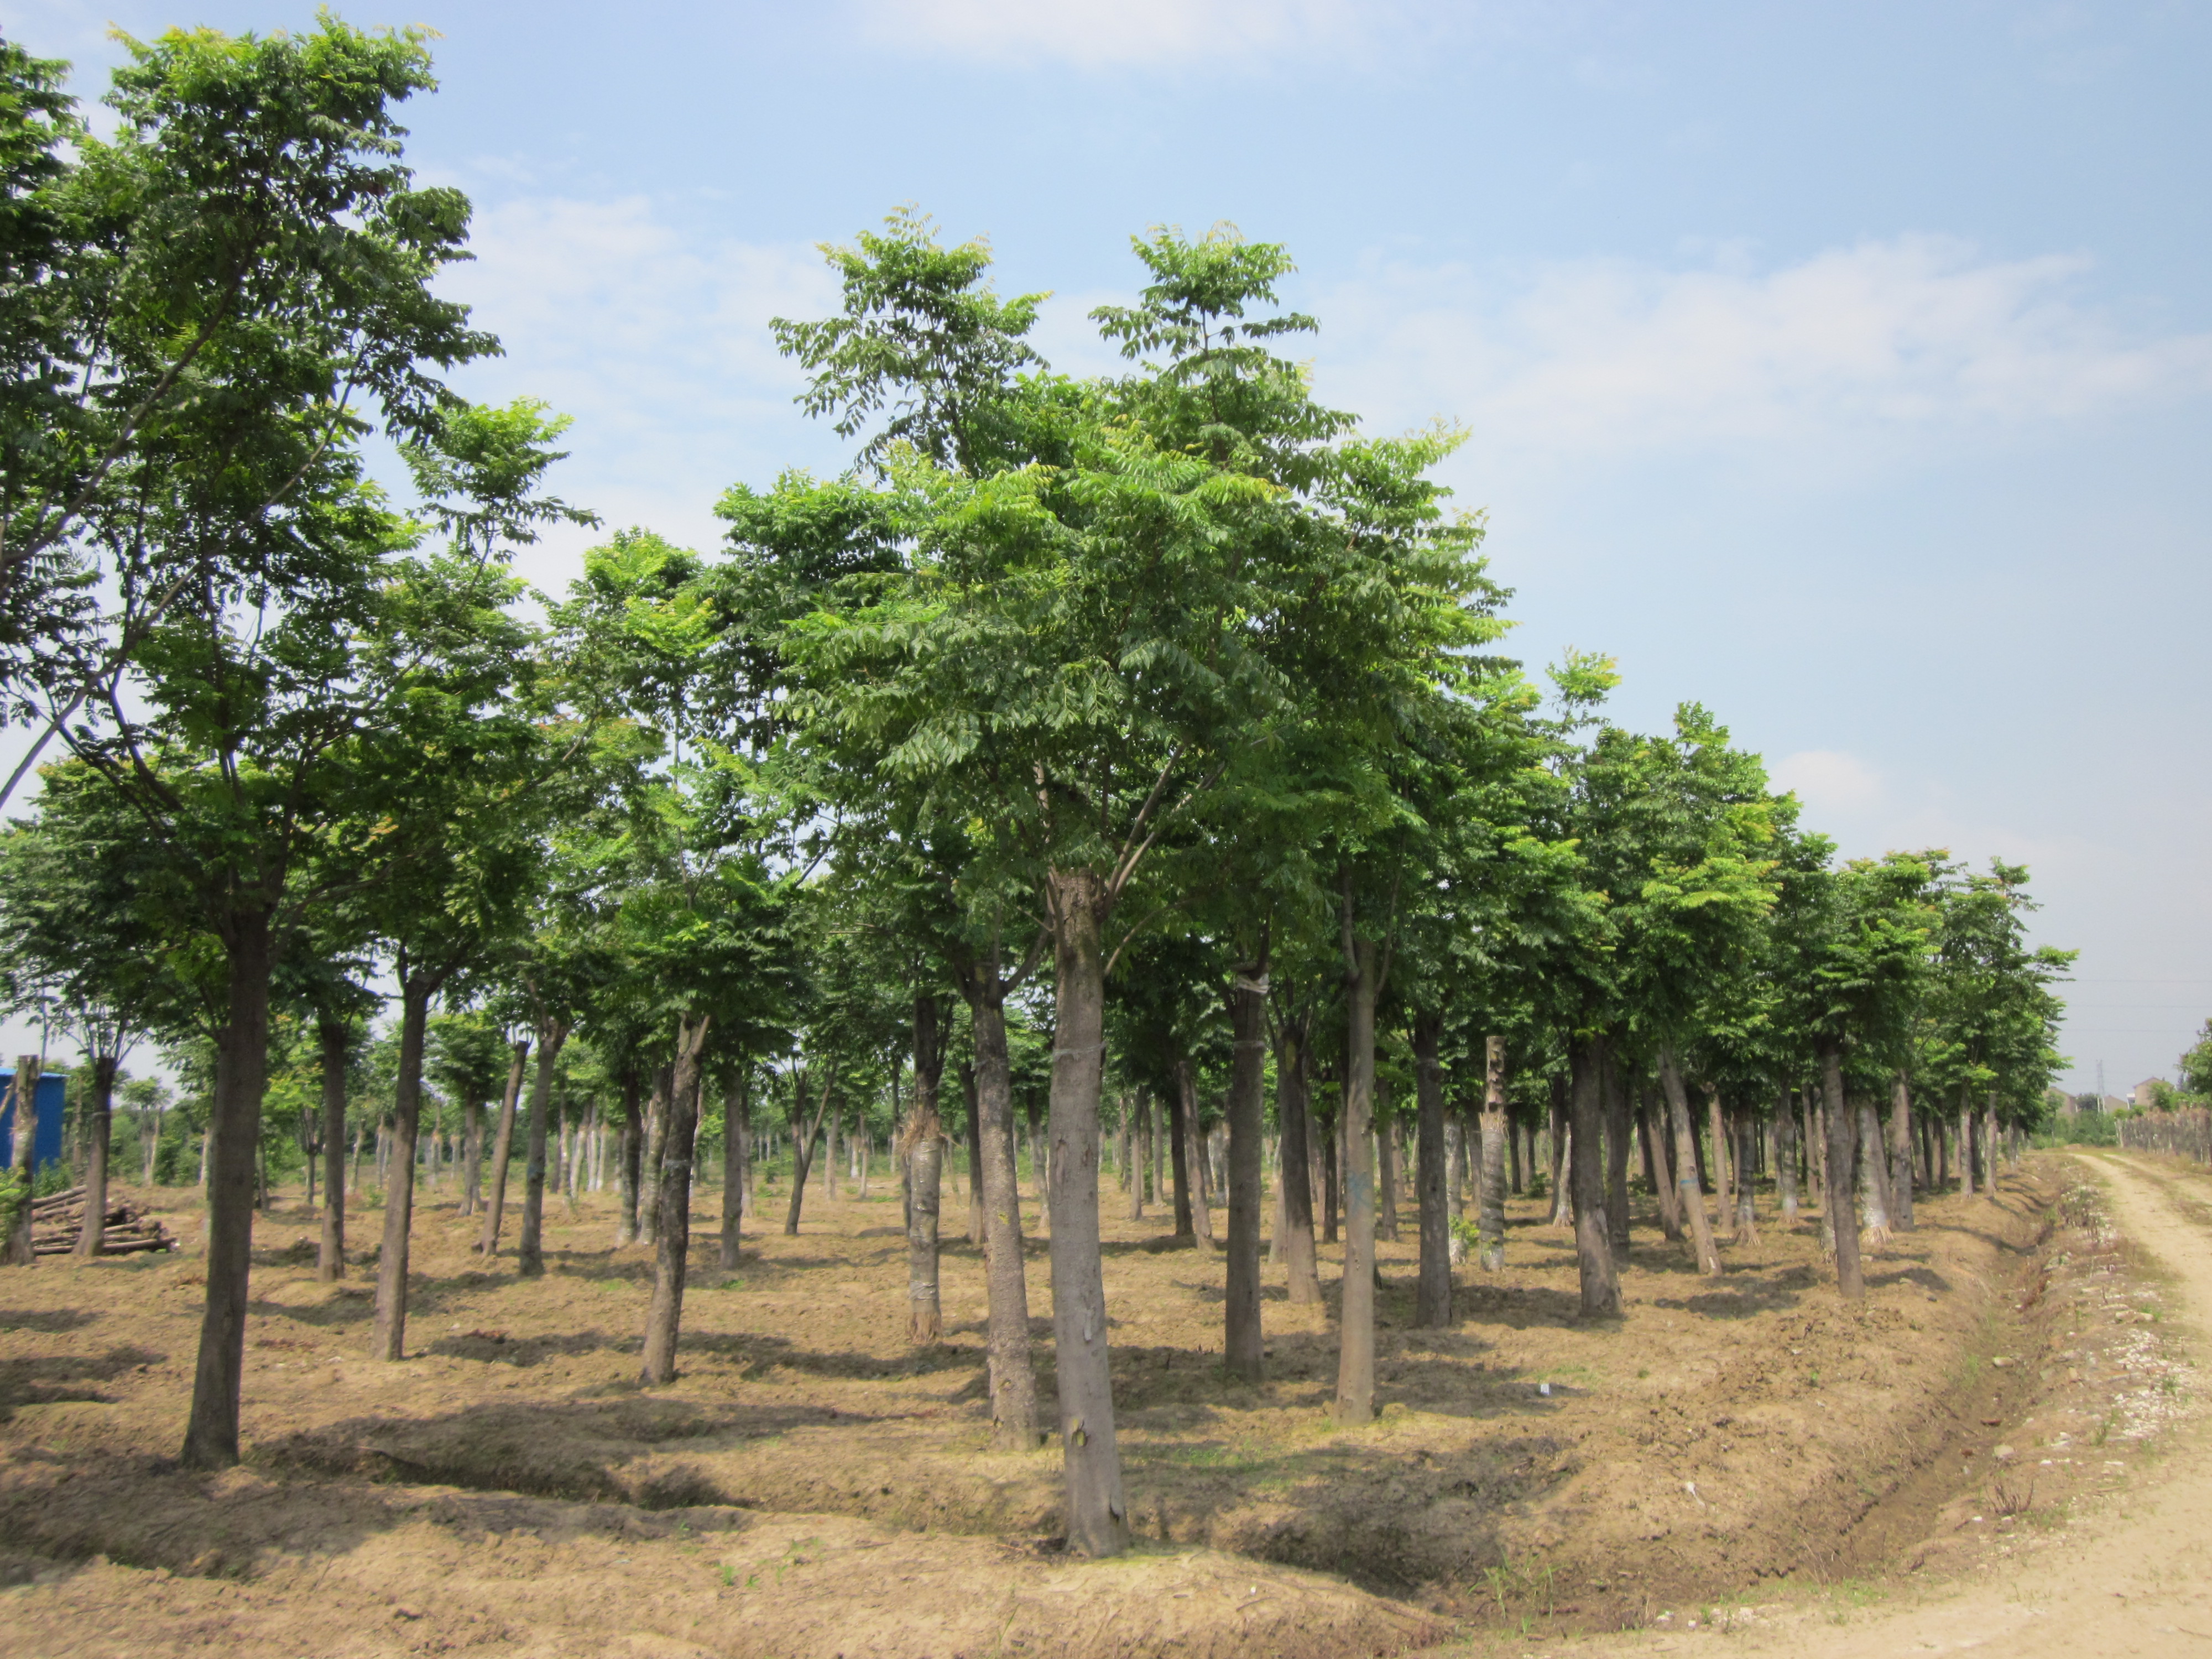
column 1686, row 1185
column 415, row 990
column 1132, row 1115
column 1386, row 1163
column 1433, row 1297
column 502, row 1153
column 336, row 1037
column 1180, row 1092
column 1874, row 1180
column 1900, row 1154
column 21, row 1251
column 234, row 1128
column 1497, row 1135
column 1836, row 1198
column 1663, row 1168
column 530, row 1242
column 472, row 1159
column 1987, row 1145
column 1294, row 1117
column 98, row 1124
column 737, row 1132
column 924, row 1147
column 1327, row 1145
column 1355, row 1372
column 802, row 1141
column 1563, row 1207
column 1097, row 1513
column 1716, row 1134
column 1011, row 1376
column 974, row 1147
column 656, row 1143
column 1746, row 1216
column 629, row 1155
column 1785, row 1161
column 1193, row 1142
column 1242, row 1347
column 1617, row 1133
column 1600, row 1277
column 672, row 1259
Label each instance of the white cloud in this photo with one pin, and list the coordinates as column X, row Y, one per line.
column 655, row 337
column 1828, row 781
column 1139, row 33
column 1912, row 337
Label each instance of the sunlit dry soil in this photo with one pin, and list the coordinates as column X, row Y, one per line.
column 810, row 1485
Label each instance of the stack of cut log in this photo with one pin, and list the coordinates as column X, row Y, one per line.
column 58, row 1218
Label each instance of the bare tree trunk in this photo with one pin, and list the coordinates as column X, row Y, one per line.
column 503, row 1152
column 1242, row 1347
column 1433, row 1297
column 24, row 1088
column 1600, row 1277
column 972, row 1134
column 1617, row 1133
column 99, row 1126
column 1386, row 1163
column 1662, row 1167
column 1900, row 1154
column 925, row 1150
column 530, row 1242
column 1133, row 1136
column 656, row 1144
column 1192, row 1143
column 629, row 1157
column 472, row 1159
column 1717, row 1132
column 241, row 1071
column 336, row 1037
column 1355, row 1370
column 736, row 1131
column 1097, row 1513
column 1686, row 1185
column 1563, row 1207
column 664, row 1319
column 802, row 1144
column 1294, row 1116
column 415, row 990
column 1329, row 1148
column 1012, row 1378
column 1155, row 1150
column 1873, row 1180
column 1836, row 1198
column 1987, row 1144
column 1785, row 1160
column 1746, row 1215
column 1178, row 1138
column 1497, row 1133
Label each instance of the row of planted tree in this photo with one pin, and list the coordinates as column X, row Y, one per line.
column 1159, row 719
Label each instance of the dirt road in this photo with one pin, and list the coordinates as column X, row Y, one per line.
column 2133, row 1577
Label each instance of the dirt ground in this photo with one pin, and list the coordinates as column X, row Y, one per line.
column 811, row 1485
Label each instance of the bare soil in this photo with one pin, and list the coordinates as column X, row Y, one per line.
column 810, row 1484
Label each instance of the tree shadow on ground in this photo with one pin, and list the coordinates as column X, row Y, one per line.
column 53, row 1379
column 51, row 1320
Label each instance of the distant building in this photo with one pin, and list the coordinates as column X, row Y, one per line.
column 2147, row 1092
column 2114, row 1103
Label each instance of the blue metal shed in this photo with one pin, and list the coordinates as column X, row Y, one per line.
column 47, row 1137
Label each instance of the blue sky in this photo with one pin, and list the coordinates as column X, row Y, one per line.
column 1839, row 366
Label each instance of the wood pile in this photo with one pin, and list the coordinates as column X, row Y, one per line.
column 58, row 1218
